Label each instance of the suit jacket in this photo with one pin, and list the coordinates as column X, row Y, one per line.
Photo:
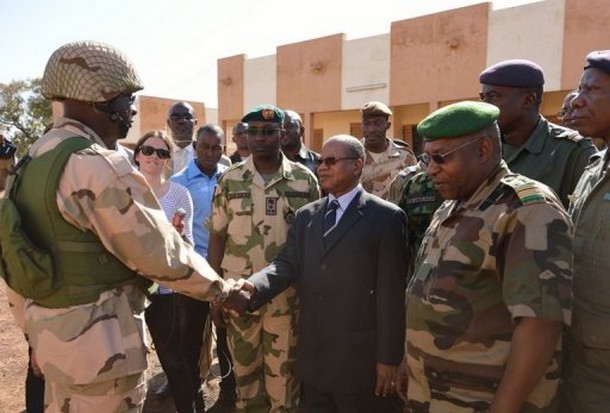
column 352, row 291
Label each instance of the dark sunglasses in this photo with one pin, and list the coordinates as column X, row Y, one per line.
column 264, row 131
column 181, row 116
column 149, row 150
column 441, row 158
column 331, row 160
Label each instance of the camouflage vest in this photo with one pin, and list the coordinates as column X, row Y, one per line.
column 45, row 258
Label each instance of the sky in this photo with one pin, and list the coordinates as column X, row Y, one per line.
column 175, row 45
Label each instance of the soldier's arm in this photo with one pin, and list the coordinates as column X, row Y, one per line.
column 109, row 198
column 216, row 250
column 533, row 344
column 579, row 160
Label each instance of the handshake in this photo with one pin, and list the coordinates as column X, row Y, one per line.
column 236, row 303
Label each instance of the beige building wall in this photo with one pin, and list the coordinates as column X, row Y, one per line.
column 586, row 28
column 438, row 57
column 531, row 31
column 365, row 71
column 336, row 123
column 231, row 88
column 260, row 83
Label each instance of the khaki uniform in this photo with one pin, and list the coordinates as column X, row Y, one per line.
column 553, row 155
column 255, row 217
column 504, row 253
column 93, row 356
column 378, row 174
column 5, row 164
column 586, row 383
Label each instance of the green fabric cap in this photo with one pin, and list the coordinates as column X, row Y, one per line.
column 458, row 119
column 264, row 113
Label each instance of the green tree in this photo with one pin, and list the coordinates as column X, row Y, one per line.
column 24, row 111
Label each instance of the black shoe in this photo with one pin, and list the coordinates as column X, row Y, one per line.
column 227, row 395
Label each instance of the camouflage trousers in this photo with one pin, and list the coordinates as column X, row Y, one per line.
column 263, row 347
column 93, row 356
column 122, row 395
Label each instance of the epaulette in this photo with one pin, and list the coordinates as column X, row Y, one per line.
column 400, row 142
column 559, row 132
column 527, row 190
column 409, row 170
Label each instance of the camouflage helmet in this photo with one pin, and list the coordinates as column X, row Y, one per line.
column 90, row 72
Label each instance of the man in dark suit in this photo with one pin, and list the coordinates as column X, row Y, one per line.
column 351, row 283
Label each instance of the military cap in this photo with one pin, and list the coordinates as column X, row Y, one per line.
column 264, row 113
column 513, row 73
column 375, row 108
column 599, row 59
column 90, row 72
column 458, row 119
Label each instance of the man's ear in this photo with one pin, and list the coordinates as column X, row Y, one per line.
column 529, row 99
column 485, row 149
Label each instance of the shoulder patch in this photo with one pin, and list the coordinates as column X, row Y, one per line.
column 528, row 192
column 400, row 142
column 565, row 133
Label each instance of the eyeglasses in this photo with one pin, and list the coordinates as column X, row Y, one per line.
column 331, row 160
column 149, row 150
column 181, row 116
column 264, row 131
column 441, row 158
column 563, row 113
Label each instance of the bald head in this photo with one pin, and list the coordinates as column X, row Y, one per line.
column 181, row 120
column 342, row 159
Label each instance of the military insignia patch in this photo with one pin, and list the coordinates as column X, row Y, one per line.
column 289, row 217
column 268, row 114
column 270, row 206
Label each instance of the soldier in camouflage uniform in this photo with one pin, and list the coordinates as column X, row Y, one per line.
column 492, row 283
column 397, row 186
column 419, row 201
column 254, row 205
column 533, row 146
column 585, row 385
column 384, row 157
column 93, row 355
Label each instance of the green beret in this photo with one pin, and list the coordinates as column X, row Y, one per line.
column 375, row 108
column 264, row 113
column 458, row 119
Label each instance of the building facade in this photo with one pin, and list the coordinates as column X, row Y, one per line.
column 422, row 63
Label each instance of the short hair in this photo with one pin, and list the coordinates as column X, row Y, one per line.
column 212, row 129
column 354, row 146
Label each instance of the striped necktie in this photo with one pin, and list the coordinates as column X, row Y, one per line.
column 330, row 217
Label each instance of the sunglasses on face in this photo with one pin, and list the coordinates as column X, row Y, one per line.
column 264, row 131
column 331, row 160
column 149, row 150
column 181, row 116
column 441, row 158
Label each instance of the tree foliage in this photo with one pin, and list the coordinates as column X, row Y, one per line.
column 24, row 111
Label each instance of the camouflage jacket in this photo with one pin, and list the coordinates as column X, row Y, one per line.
column 419, row 201
column 255, row 217
column 397, row 186
column 589, row 210
column 101, row 192
column 504, row 253
column 378, row 174
column 553, row 155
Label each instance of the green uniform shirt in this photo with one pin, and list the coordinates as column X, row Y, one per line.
column 553, row 155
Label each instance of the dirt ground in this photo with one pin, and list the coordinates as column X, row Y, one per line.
column 13, row 366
